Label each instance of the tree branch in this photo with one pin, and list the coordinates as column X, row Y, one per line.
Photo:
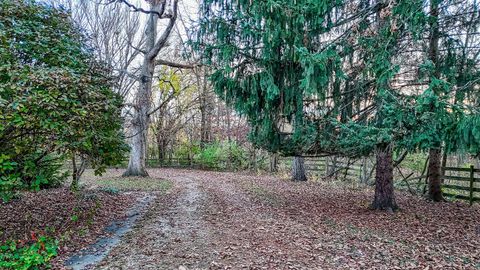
column 161, row 62
column 137, row 9
column 163, row 39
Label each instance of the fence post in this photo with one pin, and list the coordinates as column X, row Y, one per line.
column 472, row 170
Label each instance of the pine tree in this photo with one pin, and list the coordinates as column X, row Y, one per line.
column 333, row 77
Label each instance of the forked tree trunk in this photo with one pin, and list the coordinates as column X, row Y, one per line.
column 77, row 171
column 434, row 175
column 298, row 169
column 140, row 121
column 384, row 194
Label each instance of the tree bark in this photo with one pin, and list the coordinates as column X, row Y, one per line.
column 162, row 149
column 434, row 175
column 384, row 194
column 77, row 171
column 298, row 169
column 206, row 112
column 74, row 185
column 434, row 162
column 273, row 162
column 253, row 158
column 140, row 121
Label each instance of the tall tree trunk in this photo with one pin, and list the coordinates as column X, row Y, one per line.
column 140, row 121
column 298, row 169
column 162, row 149
column 74, row 185
column 434, row 175
column 384, row 194
column 434, row 163
column 229, row 124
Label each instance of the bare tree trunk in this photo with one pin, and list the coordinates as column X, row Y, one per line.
column 229, row 124
column 298, row 169
column 434, row 175
column 253, row 157
column 77, row 171
column 384, row 194
column 140, row 121
column 274, row 162
column 206, row 112
column 162, row 149
column 74, row 185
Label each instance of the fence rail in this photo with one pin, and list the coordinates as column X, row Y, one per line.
column 336, row 167
column 458, row 191
column 457, row 183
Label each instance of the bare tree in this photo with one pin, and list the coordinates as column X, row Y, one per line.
column 115, row 34
column 158, row 10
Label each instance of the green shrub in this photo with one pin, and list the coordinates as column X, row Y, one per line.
column 223, row 155
column 186, row 151
column 9, row 179
column 414, row 162
column 56, row 99
column 19, row 256
column 29, row 172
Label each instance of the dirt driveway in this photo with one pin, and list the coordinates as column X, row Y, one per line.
column 212, row 220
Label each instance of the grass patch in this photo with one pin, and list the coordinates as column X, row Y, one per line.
column 134, row 184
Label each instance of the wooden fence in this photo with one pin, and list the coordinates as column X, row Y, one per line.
column 341, row 168
column 457, row 183
column 461, row 183
column 191, row 163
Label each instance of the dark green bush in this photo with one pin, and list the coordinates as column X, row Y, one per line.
column 56, row 99
column 16, row 255
column 9, row 178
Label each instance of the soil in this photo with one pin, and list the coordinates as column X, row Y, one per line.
column 191, row 219
column 214, row 220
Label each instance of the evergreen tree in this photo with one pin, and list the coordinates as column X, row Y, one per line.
column 333, row 77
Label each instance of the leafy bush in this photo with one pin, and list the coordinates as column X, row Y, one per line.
column 223, row 156
column 19, row 256
column 186, row 151
column 56, row 99
column 414, row 162
column 9, row 179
